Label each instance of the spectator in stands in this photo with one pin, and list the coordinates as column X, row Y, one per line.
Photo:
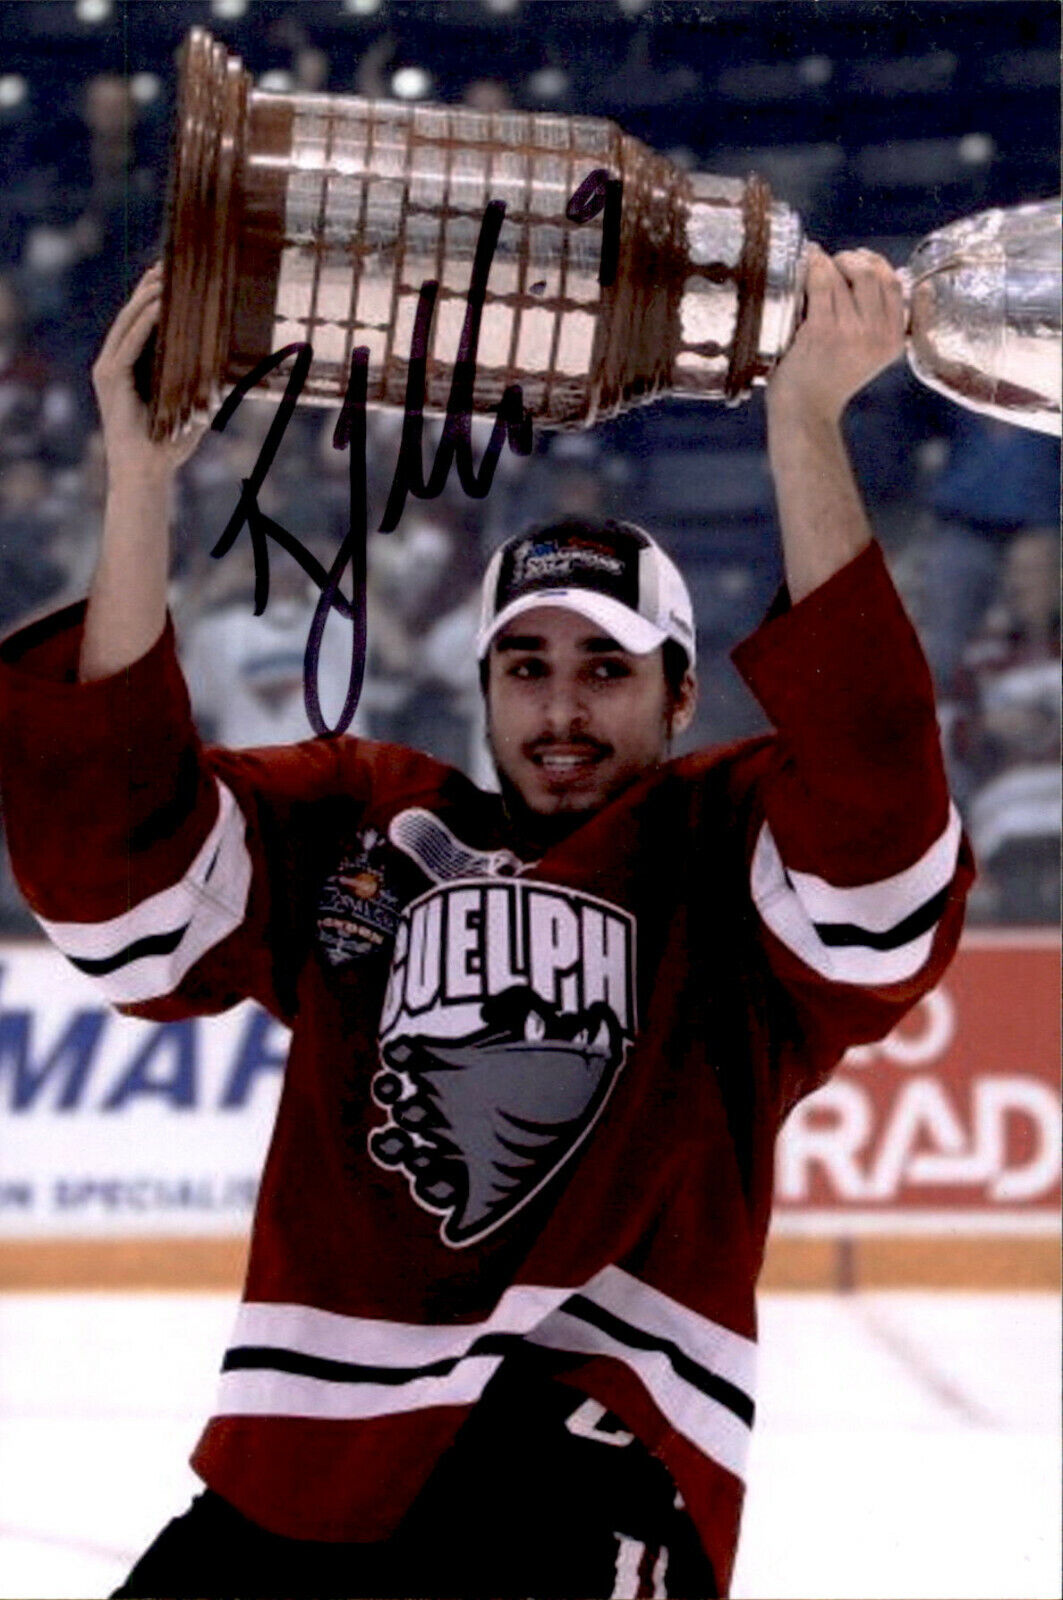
column 20, row 183
column 310, row 64
column 246, row 673
column 307, row 504
column 487, row 94
column 29, row 576
column 997, row 479
column 103, row 218
column 422, row 685
column 36, row 415
column 78, row 495
column 1005, row 735
column 372, row 76
column 37, row 406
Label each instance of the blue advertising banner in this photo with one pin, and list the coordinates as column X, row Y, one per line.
column 113, row 1126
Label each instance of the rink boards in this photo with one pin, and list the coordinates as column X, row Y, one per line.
column 129, row 1151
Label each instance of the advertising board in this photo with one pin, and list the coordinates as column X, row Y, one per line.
column 122, row 1140
column 954, row 1119
column 112, row 1126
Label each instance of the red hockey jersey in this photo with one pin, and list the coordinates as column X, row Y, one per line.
column 526, row 1101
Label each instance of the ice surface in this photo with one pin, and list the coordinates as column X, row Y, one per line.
column 907, row 1443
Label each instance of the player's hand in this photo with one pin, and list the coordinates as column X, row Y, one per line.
column 125, row 417
column 854, row 327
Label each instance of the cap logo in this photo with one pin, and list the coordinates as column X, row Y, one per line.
column 547, row 563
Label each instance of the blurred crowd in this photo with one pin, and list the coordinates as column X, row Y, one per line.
column 967, row 510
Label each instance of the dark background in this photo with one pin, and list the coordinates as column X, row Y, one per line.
column 877, row 122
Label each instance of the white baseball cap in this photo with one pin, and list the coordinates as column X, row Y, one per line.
column 610, row 572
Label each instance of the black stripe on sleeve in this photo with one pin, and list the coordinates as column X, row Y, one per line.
column 213, row 863
column 710, row 1383
column 156, row 944
column 847, row 934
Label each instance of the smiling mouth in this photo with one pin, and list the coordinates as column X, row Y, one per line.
column 568, row 763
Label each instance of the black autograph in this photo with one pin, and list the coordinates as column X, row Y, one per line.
column 513, row 425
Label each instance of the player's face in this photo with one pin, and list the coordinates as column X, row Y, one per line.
column 572, row 717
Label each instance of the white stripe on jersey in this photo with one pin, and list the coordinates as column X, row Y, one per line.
column 855, row 935
column 290, row 1360
column 145, row 952
column 381, row 1359
column 268, row 1392
column 710, row 1426
column 375, row 1342
column 714, row 1346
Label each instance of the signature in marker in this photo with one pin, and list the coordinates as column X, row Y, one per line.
column 512, row 425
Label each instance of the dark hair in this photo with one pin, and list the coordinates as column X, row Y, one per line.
column 676, row 666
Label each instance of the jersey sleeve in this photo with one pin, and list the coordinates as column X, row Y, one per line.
column 858, row 867
column 163, row 870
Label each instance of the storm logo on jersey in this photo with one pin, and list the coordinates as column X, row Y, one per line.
column 507, row 1021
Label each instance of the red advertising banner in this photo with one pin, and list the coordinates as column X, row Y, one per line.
column 953, row 1121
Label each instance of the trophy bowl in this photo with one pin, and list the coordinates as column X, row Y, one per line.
column 607, row 278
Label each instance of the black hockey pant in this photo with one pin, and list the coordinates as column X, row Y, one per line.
column 541, row 1494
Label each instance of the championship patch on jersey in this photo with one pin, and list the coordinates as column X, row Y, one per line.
column 358, row 912
column 507, row 1020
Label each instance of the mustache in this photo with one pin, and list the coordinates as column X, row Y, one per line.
column 579, row 742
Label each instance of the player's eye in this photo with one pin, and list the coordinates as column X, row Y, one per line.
column 527, row 667
column 609, row 669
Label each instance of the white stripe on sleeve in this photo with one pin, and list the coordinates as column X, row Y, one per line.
column 870, row 933
column 145, row 952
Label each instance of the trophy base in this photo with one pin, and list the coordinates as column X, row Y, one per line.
column 203, row 226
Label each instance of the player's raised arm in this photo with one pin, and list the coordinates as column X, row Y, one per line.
column 853, row 329
column 858, row 868
column 127, row 600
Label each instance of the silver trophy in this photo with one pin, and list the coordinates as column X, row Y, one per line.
column 609, row 276
column 984, row 313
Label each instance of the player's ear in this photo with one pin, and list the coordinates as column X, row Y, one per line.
column 684, row 704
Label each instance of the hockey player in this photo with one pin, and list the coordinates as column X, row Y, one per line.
column 498, row 1329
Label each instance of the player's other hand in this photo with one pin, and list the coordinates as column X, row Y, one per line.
column 125, row 418
column 853, row 328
